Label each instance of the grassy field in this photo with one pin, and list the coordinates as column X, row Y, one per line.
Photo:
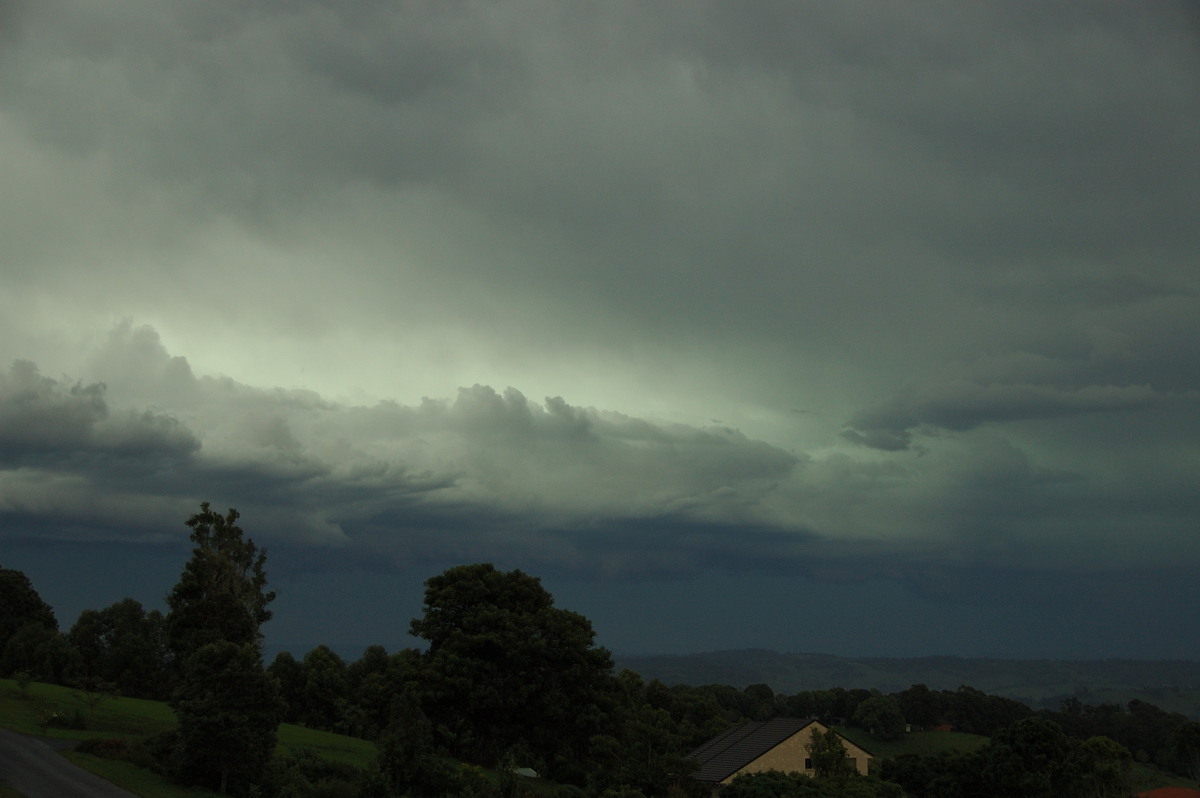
column 35, row 713
column 327, row 745
column 40, row 711
column 926, row 743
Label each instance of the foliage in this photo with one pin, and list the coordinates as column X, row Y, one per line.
column 774, row 784
column 651, row 728
column 1185, row 745
column 221, row 594
column 828, row 755
column 507, row 679
column 40, row 651
column 140, row 727
column 408, row 763
column 881, row 716
column 228, row 706
column 1106, row 768
column 118, row 748
column 1033, row 758
column 1146, row 730
column 20, row 605
column 29, row 638
column 325, row 691
column 228, row 712
column 288, row 674
column 123, row 645
column 506, row 671
column 373, row 680
column 304, row 774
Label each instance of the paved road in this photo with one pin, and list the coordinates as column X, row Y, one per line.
column 34, row 769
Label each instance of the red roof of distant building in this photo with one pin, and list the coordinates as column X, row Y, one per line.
column 1171, row 792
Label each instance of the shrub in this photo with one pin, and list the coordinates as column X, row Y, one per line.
column 122, row 750
column 61, row 720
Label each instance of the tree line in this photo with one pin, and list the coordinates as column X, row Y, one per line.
column 508, row 680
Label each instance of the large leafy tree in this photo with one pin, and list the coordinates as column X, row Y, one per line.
column 1185, row 744
column 228, row 706
column 228, row 710
column 507, row 673
column 881, row 716
column 325, row 695
column 221, row 595
column 29, row 639
column 828, row 755
column 20, row 605
column 122, row 645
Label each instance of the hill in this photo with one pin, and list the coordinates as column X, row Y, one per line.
column 53, row 711
column 1173, row 685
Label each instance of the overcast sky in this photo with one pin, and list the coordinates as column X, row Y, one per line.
column 848, row 327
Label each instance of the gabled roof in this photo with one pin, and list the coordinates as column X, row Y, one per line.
column 733, row 749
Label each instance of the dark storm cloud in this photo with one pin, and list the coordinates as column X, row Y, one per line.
column 964, row 406
column 46, row 423
column 484, row 472
column 810, row 290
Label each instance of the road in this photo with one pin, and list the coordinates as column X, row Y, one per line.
column 34, row 769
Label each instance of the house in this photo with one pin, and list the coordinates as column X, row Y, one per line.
column 776, row 744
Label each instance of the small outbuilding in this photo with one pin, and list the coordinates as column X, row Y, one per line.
column 776, row 744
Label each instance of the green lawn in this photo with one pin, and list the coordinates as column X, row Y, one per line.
column 327, row 745
column 926, row 743
column 136, row 719
column 132, row 718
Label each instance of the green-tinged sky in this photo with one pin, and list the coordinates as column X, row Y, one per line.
column 854, row 327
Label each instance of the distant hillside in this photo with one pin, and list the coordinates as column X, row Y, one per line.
column 1170, row 684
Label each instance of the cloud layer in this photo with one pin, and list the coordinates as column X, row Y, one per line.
column 838, row 293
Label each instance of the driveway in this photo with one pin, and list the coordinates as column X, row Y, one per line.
column 34, row 769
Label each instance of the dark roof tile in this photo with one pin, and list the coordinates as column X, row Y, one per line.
column 733, row 749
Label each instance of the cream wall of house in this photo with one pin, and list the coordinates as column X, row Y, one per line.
column 790, row 755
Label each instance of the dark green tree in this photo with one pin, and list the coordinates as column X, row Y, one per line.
column 20, row 605
column 881, row 716
column 1185, row 745
column 409, row 763
column 228, row 709
column 227, row 705
column 1106, row 768
column 123, row 645
column 1032, row 758
column 373, row 680
column 759, row 702
column 828, row 755
column 39, row 651
column 289, row 675
column 776, row 784
column 920, row 706
column 644, row 746
column 325, row 694
column 506, row 671
column 221, row 595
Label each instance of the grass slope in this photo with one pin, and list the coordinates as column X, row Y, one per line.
column 925, row 743
column 136, row 719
